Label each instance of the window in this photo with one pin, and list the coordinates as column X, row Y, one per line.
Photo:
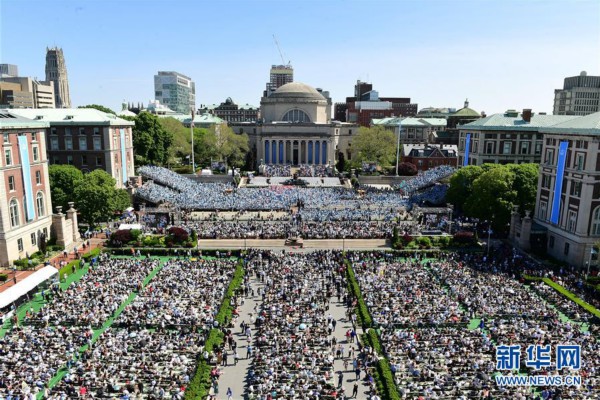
column 53, row 131
column 98, row 160
column 38, row 177
column 34, row 136
column 7, row 157
column 538, row 148
column 36, row 153
column 68, row 143
column 576, row 188
column 506, row 147
column 489, row 147
column 53, row 143
column 82, row 143
column 596, row 222
column 67, row 131
column 579, row 161
column 572, row 222
column 82, row 131
column 546, row 181
column 5, row 140
column 567, row 249
column 525, row 147
column 543, row 210
column 33, row 239
column 11, row 183
column 549, row 157
column 551, row 242
column 20, row 244
column 69, row 160
column 296, row 116
column 96, row 131
column 14, row 213
column 84, row 160
column 41, row 208
column 97, row 143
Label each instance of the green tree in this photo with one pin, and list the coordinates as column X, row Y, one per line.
column 493, row 197
column 375, row 144
column 97, row 199
column 63, row 180
column 525, row 184
column 230, row 146
column 204, row 146
column 122, row 200
column 151, row 142
column 181, row 146
column 100, row 108
column 341, row 164
column 461, row 185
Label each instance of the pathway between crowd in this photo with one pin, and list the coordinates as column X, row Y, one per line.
column 235, row 376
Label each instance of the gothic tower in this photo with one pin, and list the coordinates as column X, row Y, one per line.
column 56, row 71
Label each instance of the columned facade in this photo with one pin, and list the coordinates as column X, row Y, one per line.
column 282, row 151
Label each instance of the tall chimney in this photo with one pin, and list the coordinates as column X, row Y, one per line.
column 527, row 114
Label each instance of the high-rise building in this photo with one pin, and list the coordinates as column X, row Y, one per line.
column 367, row 105
column 279, row 76
column 25, row 92
column 56, row 71
column 580, row 95
column 8, row 70
column 175, row 90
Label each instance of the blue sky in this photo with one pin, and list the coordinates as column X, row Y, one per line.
column 499, row 54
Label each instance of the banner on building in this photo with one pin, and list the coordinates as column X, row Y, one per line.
column 26, row 170
column 124, row 156
column 560, row 173
column 467, row 149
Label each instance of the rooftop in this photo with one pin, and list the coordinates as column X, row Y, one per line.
column 71, row 116
column 516, row 123
column 297, row 90
column 9, row 120
column 587, row 125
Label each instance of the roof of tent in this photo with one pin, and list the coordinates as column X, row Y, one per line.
column 23, row 287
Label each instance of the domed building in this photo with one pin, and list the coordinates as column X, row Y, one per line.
column 296, row 128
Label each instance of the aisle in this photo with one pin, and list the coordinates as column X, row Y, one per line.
column 234, row 376
column 338, row 312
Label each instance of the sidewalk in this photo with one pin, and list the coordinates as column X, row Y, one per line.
column 54, row 261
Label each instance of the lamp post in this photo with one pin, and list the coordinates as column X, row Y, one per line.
column 192, row 135
column 398, row 144
column 489, row 228
column 589, row 263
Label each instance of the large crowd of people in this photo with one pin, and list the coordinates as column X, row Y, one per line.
column 424, row 309
column 425, row 179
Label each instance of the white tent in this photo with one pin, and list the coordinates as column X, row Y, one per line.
column 130, row 226
column 23, row 287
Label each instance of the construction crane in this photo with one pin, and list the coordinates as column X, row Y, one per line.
column 280, row 52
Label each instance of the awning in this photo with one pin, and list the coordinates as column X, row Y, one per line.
column 24, row 286
column 130, row 226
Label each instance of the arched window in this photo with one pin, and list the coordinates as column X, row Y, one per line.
column 596, row 222
column 41, row 207
column 296, row 116
column 14, row 213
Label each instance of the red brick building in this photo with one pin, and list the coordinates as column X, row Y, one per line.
column 25, row 205
column 87, row 138
column 366, row 105
column 425, row 156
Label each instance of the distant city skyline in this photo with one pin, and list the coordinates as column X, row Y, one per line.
column 499, row 55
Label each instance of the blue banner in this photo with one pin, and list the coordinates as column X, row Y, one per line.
column 467, row 148
column 560, row 173
column 123, row 156
column 26, row 170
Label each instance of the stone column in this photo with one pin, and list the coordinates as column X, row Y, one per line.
column 515, row 221
column 524, row 240
column 72, row 216
column 58, row 226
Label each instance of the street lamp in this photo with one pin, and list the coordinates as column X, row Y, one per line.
column 398, row 144
column 489, row 228
column 589, row 263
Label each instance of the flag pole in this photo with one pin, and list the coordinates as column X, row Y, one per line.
column 192, row 135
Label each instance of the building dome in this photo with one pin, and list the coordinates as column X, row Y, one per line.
column 297, row 90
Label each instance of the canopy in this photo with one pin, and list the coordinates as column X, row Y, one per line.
column 23, row 287
column 130, row 226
